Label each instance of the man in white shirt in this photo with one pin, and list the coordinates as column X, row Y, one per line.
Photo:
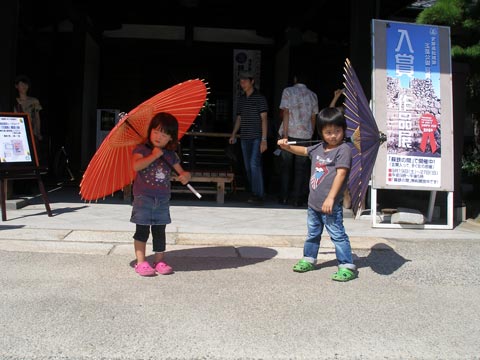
column 300, row 108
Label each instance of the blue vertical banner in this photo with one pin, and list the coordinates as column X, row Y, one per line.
column 414, row 105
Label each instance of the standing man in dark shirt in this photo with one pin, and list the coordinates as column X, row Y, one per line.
column 251, row 121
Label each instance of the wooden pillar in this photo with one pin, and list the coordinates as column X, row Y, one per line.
column 85, row 74
column 8, row 38
column 362, row 13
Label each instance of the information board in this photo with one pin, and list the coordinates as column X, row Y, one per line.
column 17, row 145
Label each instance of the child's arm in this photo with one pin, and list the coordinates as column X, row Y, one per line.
column 183, row 176
column 294, row 149
column 327, row 206
column 140, row 162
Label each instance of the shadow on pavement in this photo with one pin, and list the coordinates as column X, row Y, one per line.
column 212, row 258
column 70, row 194
column 382, row 259
column 55, row 212
column 11, row 227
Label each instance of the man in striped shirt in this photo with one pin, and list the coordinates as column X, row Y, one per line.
column 251, row 121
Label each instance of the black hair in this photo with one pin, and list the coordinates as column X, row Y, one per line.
column 168, row 124
column 331, row 116
column 23, row 78
column 300, row 76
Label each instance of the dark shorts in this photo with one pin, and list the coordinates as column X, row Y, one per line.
column 149, row 210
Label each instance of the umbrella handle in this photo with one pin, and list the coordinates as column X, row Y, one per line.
column 197, row 194
column 303, row 142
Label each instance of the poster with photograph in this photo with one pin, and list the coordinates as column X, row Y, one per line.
column 17, row 148
column 413, row 99
column 414, row 109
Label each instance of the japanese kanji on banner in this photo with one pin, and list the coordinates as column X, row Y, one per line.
column 413, row 106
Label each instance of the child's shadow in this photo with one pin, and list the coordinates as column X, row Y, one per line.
column 214, row 257
column 383, row 260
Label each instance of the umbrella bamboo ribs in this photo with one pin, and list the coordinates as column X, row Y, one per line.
column 110, row 168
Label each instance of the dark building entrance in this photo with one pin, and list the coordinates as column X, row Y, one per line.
column 85, row 55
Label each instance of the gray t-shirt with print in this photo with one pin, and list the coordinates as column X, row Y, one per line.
column 323, row 172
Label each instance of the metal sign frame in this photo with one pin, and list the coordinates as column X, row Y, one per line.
column 412, row 62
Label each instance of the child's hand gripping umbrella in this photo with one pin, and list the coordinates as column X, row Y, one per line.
column 111, row 169
column 364, row 135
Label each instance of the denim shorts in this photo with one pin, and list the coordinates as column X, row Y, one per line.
column 148, row 210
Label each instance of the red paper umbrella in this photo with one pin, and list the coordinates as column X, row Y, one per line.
column 111, row 169
column 364, row 134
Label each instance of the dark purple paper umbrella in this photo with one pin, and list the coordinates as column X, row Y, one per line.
column 364, row 135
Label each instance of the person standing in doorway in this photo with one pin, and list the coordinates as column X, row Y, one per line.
column 299, row 106
column 28, row 104
column 251, row 121
column 31, row 105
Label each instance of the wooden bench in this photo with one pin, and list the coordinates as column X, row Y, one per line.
column 208, row 164
column 219, row 178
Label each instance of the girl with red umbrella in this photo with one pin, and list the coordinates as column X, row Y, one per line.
column 153, row 162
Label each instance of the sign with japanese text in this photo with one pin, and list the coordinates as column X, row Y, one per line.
column 412, row 101
column 17, row 147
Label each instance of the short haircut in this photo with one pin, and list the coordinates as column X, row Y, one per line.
column 247, row 75
column 168, row 124
column 23, row 78
column 331, row 116
column 300, row 76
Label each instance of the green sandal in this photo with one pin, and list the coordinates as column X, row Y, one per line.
column 344, row 274
column 303, row 266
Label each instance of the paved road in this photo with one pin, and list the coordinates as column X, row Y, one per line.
column 416, row 300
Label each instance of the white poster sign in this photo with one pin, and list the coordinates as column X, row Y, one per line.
column 14, row 140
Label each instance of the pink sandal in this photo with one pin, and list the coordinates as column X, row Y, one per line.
column 163, row 268
column 144, row 269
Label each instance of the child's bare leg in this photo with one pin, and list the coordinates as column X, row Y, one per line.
column 142, row 232
column 140, row 248
column 161, row 266
column 159, row 256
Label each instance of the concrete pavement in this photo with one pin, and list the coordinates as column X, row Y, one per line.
column 417, row 302
column 232, row 229
column 69, row 291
